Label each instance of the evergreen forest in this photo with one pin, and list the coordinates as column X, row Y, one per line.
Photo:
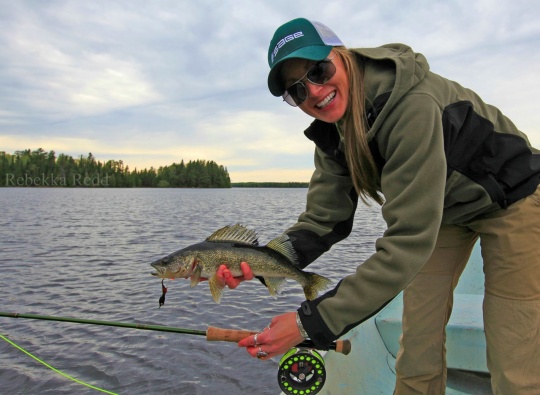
column 40, row 168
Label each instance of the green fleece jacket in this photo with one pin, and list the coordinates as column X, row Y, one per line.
column 445, row 157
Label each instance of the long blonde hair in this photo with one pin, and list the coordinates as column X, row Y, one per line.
column 364, row 173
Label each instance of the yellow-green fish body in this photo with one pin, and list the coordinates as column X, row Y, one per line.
column 231, row 246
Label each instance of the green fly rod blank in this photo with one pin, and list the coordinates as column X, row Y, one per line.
column 105, row 323
column 211, row 334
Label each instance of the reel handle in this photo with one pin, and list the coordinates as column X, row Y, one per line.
column 235, row 335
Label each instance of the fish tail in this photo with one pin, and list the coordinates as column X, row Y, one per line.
column 315, row 284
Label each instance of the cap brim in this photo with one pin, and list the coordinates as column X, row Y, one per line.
column 312, row 52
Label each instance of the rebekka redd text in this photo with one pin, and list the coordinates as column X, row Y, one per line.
column 49, row 180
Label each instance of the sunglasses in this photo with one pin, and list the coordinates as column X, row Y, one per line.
column 319, row 74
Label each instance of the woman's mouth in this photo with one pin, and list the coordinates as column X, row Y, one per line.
column 327, row 100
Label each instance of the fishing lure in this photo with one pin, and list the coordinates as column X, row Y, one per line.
column 162, row 298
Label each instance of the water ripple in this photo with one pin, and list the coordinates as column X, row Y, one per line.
column 85, row 253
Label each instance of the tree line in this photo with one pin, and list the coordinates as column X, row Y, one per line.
column 39, row 168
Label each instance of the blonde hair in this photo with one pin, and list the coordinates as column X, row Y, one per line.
column 364, row 173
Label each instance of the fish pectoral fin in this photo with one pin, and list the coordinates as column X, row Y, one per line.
column 216, row 288
column 274, row 285
column 196, row 276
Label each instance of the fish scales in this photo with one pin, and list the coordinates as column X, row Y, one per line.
column 262, row 260
column 232, row 245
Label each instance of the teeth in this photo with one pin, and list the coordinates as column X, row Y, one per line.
column 326, row 100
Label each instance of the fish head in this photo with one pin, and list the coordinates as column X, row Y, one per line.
column 178, row 265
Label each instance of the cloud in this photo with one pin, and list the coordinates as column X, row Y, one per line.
column 153, row 83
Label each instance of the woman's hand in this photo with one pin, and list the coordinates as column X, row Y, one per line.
column 279, row 337
column 225, row 277
column 224, row 274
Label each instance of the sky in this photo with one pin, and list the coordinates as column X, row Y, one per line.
column 152, row 83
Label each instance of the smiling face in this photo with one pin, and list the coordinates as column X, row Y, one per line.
column 326, row 102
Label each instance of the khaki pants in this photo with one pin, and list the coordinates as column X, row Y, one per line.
column 510, row 242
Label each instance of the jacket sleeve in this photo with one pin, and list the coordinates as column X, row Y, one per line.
column 331, row 198
column 413, row 182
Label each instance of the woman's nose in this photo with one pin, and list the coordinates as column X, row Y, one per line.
column 313, row 89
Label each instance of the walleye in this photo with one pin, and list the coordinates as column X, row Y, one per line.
column 232, row 245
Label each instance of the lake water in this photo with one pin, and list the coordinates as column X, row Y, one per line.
column 85, row 253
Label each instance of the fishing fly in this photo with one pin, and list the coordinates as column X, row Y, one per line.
column 163, row 292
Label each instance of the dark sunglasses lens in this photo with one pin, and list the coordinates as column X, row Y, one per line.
column 321, row 72
column 298, row 93
column 289, row 99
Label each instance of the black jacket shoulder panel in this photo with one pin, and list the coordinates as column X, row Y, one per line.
column 502, row 163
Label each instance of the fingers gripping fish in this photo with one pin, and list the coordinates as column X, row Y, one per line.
column 232, row 245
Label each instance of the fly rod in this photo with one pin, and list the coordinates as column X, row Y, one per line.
column 211, row 333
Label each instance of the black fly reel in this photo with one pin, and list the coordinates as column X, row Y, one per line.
column 301, row 372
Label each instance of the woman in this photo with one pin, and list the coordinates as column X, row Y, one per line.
column 447, row 169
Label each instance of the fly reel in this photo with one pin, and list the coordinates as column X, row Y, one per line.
column 301, row 372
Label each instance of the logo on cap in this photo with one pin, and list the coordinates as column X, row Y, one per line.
column 284, row 41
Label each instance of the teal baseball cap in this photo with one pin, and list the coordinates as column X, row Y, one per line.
column 299, row 38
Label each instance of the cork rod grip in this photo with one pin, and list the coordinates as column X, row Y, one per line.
column 226, row 335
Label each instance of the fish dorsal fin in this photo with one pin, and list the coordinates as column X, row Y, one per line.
column 283, row 245
column 235, row 234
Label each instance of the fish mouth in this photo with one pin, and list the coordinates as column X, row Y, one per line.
column 159, row 270
column 166, row 271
